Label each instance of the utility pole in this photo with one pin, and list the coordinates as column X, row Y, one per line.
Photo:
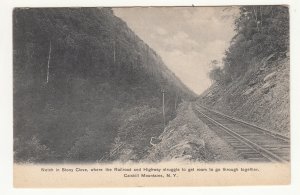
column 114, row 52
column 176, row 99
column 163, row 106
column 48, row 64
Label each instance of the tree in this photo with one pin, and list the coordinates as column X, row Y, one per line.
column 261, row 31
column 216, row 74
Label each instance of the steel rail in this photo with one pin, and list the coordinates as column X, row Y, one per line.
column 267, row 154
column 276, row 135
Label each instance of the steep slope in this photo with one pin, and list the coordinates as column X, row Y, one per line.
column 260, row 97
column 253, row 81
column 78, row 75
column 187, row 138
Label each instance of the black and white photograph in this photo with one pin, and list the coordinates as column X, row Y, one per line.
column 196, row 84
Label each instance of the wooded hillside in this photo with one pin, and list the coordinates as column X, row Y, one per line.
column 78, row 73
column 253, row 82
column 262, row 32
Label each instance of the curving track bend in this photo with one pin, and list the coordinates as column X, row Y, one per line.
column 252, row 143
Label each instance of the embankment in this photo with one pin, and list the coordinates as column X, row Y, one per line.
column 186, row 138
column 260, row 97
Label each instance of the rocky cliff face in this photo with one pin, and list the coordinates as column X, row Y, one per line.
column 260, row 97
column 80, row 75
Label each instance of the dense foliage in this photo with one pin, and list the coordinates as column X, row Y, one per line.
column 261, row 32
column 76, row 74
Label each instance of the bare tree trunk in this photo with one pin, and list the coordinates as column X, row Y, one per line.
column 255, row 14
column 261, row 17
column 48, row 65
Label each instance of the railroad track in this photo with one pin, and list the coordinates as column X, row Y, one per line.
column 251, row 142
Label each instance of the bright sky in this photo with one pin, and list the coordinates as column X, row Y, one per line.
column 187, row 38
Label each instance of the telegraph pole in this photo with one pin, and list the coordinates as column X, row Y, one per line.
column 176, row 99
column 114, row 52
column 48, row 64
column 163, row 106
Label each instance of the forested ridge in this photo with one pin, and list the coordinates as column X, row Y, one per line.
column 262, row 33
column 79, row 75
column 252, row 81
